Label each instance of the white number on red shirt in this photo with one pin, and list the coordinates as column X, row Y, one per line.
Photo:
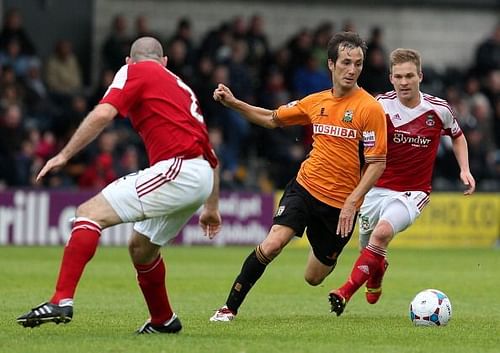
column 194, row 108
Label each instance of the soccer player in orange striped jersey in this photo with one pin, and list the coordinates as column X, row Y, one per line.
column 415, row 122
column 330, row 185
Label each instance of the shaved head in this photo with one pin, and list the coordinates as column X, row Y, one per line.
column 146, row 48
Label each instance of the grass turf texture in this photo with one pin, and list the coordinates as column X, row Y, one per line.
column 281, row 314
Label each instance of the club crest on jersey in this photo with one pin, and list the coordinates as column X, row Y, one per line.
column 348, row 116
column 430, row 120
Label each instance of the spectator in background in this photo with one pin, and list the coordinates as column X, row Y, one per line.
column 481, row 135
column 101, row 170
column 288, row 150
column 300, row 47
column 105, row 79
column 238, row 28
column 63, row 72
column 142, row 27
column 13, row 30
column 178, row 62
column 376, row 70
column 116, row 45
column 12, row 135
column 66, row 122
column 242, row 81
column 36, row 148
column 321, row 36
column 184, row 32
column 24, row 163
column 203, row 86
column 310, row 77
column 45, row 145
column 478, row 155
column 28, row 91
column 496, row 123
column 281, row 61
column 274, row 92
column 12, row 56
column 258, row 45
column 348, row 25
column 39, row 106
column 488, row 53
column 482, row 111
column 11, row 89
column 376, row 41
column 491, row 87
column 129, row 161
column 375, row 73
column 226, row 131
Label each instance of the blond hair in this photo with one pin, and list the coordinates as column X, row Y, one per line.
column 400, row 56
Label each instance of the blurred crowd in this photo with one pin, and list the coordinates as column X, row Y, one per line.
column 43, row 100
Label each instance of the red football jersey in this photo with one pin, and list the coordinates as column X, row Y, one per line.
column 413, row 137
column 162, row 109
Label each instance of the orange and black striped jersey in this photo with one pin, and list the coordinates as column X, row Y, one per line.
column 340, row 126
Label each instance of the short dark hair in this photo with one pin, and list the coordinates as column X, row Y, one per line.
column 343, row 40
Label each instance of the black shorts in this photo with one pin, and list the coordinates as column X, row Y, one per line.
column 299, row 210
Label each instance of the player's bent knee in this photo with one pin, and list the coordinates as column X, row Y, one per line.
column 383, row 231
column 276, row 240
column 271, row 248
column 142, row 255
column 141, row 250
column 313, row 280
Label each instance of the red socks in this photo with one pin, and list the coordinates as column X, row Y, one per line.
column 80, row 248
column 370, row 259
column 151, row 279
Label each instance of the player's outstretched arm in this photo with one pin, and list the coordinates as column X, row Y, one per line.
column 256, row 115
column 88, row 130
column 462, row 155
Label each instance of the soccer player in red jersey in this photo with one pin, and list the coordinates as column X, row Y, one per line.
column 159, row 199
column 415, row 123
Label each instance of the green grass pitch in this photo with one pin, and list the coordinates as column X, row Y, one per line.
column 281, row 314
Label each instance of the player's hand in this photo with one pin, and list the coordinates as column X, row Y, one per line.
column 56, row 162
column 224, row 95
column 210, row 221
column 346, row 219
column 469, row 182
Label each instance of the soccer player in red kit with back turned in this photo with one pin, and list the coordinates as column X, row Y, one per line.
column 159, row 200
